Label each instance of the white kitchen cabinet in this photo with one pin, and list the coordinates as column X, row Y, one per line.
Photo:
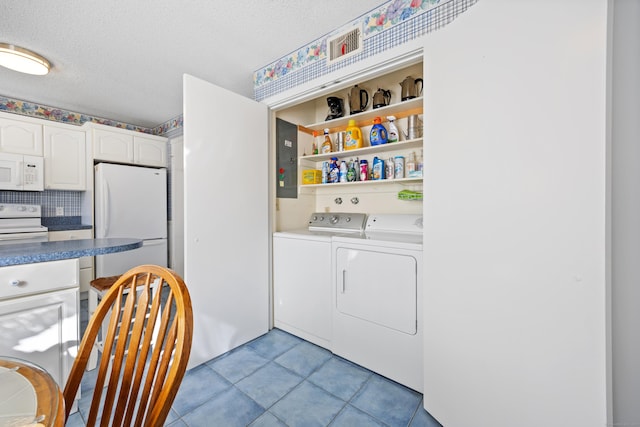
column 39, row 314
column 124, row 146
column 86, row 263
column 112, row 146
column 20, row 136
column 149, row 151
column 65, row 158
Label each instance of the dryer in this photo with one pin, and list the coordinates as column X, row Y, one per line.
column 377, row 297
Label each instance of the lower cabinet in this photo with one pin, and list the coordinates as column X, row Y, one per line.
column 86, row 263
column 39, row 314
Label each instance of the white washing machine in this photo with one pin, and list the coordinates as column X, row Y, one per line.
column 302, row 275
column 377, row 297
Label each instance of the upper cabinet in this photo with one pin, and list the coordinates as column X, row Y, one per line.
column 64, row 158
column 123, row 146
column 150, row 151
column 114, row 146
column 20, row 136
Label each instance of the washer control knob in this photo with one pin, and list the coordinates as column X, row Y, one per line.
column 334, row 219
column 348, row 219
column 21, row 208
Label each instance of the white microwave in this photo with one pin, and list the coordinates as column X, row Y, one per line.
column 21, row 172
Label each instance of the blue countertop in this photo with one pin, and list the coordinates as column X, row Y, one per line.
column 28, row 253
column 64, row 223
column 69, row 227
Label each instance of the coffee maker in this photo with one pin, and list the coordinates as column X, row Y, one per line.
column 336, row 107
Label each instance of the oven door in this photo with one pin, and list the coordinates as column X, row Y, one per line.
column 13, row 238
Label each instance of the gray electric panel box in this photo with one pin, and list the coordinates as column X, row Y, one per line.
column 286, row 159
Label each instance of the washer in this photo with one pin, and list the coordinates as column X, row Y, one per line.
column 302, row 275
column 377, row 297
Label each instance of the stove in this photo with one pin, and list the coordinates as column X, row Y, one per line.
column 21, row 224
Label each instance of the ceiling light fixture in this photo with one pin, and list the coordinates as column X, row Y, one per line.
column 23, row 60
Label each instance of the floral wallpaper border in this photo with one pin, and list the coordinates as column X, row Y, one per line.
column 168, row 126
column 380, row 19
column 45, row 112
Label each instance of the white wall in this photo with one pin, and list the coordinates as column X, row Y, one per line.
column 626, row 213
column 515, row 225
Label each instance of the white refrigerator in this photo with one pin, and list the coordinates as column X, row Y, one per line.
column 131, row 202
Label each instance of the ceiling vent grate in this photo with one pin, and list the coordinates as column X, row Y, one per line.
column 344, row 45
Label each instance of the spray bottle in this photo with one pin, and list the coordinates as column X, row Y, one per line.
column 392, row 135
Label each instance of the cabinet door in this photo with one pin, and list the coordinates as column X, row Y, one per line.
column 516, row 243
column 20, row 137
column 86, row 263
column 65, row 159
column 42, row 329
column 149, row 152
column 113, row 146
column 236, row 303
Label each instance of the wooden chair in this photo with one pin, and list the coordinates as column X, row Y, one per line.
column 97, row 290
column 149, row 341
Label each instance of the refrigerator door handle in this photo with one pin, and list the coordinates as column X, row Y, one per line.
column 106, row 198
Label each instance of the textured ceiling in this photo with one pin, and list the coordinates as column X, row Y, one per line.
column 124, row 60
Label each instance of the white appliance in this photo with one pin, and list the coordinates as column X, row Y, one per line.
column 21, row 172
column 302, row 275
column 38, row 302
column 131, row 202
column 21, row 224
column 227, row 233
column 377, row 295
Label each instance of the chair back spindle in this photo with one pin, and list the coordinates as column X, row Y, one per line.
column 145, row 350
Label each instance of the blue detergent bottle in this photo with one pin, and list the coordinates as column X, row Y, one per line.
column 378, row 133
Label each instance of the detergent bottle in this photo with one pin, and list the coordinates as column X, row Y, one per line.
column 353, row 136
column 378, row 133
column 378, row 168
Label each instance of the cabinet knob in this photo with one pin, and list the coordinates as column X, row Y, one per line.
column 14, row 282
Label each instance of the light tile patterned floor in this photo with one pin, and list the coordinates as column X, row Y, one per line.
column 281, row 380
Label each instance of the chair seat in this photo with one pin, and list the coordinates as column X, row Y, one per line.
column 102, row 284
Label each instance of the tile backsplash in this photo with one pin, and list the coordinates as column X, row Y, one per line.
column 70, row 201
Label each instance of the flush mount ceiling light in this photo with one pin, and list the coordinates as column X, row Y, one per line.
column 23, row 60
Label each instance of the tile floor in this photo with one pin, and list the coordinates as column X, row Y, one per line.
column 281, row 380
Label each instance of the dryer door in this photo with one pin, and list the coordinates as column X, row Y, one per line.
column 378, row 287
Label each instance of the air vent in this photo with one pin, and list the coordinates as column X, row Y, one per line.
column 344, row 45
